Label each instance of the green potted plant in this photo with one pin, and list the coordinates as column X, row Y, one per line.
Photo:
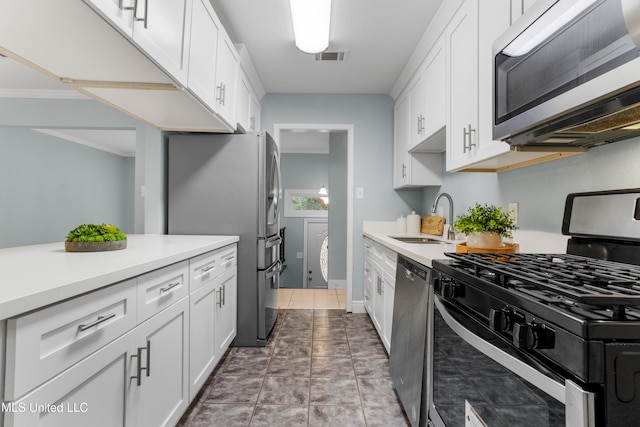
column 485, row 226
column 93, row 238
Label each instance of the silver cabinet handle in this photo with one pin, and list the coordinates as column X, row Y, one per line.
column 209, row 268
column 224, row 295
column 100, row 319
column 219, row 295
column 404, row 170
column 466, row 132
column 168, row 288
column 419, row 124
column 219, row 97
column 140, row 368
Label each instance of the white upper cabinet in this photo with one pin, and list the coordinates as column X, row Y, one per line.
column 411, row 169
column 243, row 102
column 427, row 102
column 462, row 88
column 226, row 74
column 160, row 28
column 203, row 53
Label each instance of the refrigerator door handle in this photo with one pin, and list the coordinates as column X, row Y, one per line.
column 272, row 241
column 273, row 270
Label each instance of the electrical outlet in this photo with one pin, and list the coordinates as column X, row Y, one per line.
column 359, row 193
column 513, row 210
column 299, row 255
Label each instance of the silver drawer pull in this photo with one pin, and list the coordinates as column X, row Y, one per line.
column 209, row 268
column 100, row 319
column 168, row 288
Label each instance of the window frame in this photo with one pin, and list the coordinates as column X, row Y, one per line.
column 290, row 193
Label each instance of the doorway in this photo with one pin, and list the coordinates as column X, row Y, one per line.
column 316, row 254
column 347, row 239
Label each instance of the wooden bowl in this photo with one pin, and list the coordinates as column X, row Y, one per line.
column 509, row 248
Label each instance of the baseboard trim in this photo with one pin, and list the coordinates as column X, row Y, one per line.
column 358, row 307
column 337, row 284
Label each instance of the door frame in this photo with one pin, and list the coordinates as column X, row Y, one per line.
column 349, row 128
column 305, row 253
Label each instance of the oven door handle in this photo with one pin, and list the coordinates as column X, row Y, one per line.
column 528, row 373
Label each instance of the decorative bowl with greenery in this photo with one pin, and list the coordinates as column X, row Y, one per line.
column 485, row 222
column 92, row 238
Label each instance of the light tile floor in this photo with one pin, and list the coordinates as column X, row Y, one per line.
column 289, row 298
column 319, row 368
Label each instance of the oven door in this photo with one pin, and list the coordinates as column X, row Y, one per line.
column 479, row 379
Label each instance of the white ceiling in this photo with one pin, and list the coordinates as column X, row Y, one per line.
column 379, row 35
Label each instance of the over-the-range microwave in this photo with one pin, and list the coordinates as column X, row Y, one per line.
column 567, row 73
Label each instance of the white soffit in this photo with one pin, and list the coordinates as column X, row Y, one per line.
column 116, row 141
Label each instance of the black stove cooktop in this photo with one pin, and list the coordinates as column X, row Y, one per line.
column 581, row 294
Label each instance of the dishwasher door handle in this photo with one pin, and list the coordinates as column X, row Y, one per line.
column 409, row 275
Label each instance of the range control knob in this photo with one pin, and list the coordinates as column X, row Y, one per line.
column 533, row 335
column 501, row 320
column 449, row 289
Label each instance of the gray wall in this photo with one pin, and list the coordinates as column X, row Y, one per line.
column 541, row 190
column 372, row 117
column 49, row 185
column 338, row 206
column 299, row 171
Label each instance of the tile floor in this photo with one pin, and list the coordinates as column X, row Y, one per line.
column 312, row 298
column 320, row 368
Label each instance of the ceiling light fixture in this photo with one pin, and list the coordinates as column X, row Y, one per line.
column 324, row 195
column 311, row 22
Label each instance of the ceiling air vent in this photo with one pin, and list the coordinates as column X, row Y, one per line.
column 331, row 56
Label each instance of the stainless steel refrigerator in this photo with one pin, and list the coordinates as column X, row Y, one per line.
column 230, row 184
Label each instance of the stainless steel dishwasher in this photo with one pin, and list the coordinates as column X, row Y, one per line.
column 407, row 361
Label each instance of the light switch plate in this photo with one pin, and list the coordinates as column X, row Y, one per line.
column 513, row 210
column 360, row 193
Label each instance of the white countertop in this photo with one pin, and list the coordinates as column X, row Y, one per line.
column 383, row 232
column 35, row 276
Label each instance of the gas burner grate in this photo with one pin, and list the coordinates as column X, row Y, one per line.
column 580, row 279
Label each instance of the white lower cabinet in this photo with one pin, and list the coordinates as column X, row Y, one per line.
column 159, row 373
column 138, row 379
column 131, row 354
column 91, row 393
column 213, row 326
column 379, row 287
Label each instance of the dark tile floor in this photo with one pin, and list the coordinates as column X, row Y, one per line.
column 320, row 368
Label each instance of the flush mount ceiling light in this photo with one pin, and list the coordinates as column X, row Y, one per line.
column 311, row 22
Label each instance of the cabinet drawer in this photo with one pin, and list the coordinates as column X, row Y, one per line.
column 161, row 288
column 207, row 266
column 45, row 342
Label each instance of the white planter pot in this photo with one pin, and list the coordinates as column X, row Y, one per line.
column 484, row 239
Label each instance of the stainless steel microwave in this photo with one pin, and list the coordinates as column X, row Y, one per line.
column 567, row 73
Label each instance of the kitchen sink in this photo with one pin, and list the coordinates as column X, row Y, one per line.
column 419, row 240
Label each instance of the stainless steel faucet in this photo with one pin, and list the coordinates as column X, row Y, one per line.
column 451, row 235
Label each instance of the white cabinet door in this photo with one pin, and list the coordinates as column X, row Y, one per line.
column 203, row 357
column 162, row 29
column 462, row 68
column 389, row 293
column 401, row 131
column 226, row 72
column 417, row 107
column 243, row 101
column 435, row 90
column 90, row 393
column 378, row 299
column 254, row 114
column 226, row 314
column 163, row 367
column 203, row 52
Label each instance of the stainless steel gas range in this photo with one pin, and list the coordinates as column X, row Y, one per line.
column 543, row 339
